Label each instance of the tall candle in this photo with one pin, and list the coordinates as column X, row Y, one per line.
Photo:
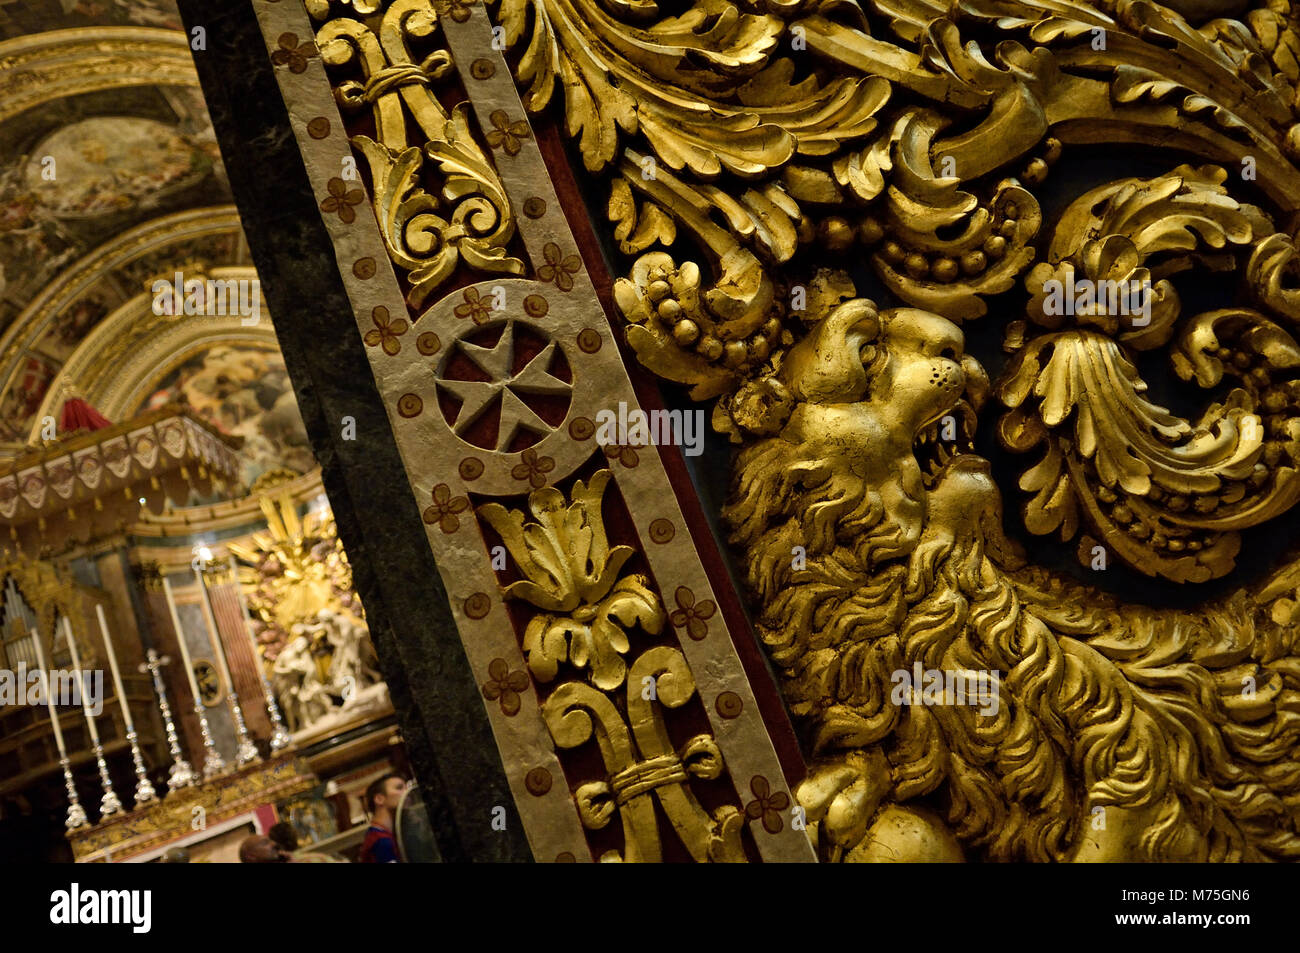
column 112, row 664
column 280, row 738
column 180, row 637
column 76, row 665
column 49, row 694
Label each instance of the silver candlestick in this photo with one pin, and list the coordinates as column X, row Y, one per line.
column 181, row 775
column 144, row 792
column 109, row 803
column 144, row 789
column 76, row 813
column 213, row 764
column 280, row 737
column 246, row 753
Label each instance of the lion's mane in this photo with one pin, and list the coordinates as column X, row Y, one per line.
column 1100, row 704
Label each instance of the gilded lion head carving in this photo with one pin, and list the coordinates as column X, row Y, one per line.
column 874, row 548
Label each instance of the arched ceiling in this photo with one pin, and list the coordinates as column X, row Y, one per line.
column 110, row 179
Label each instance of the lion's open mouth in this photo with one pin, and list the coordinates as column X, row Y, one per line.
column 943, row 439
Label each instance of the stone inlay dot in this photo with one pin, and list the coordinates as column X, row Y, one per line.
column 538, row 781
column 478, row 605
column 410, row 405
column 662, row 530
column 729, row 705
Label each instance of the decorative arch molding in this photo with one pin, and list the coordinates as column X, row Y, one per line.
column 87, row 273
column 43, row 67
column 133, row 348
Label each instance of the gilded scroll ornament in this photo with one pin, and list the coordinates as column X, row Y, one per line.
column 928, row 141
column 642, row 765
column 437, row 204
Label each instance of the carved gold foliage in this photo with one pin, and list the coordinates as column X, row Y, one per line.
column 708, row 95
column 676, row 336
column 990, row 246
column 468, row 218
column 1271, row 275
column 1110, row 232
column 1224, row 61
column 1165, row 494
column 646, row 79
column 855, row 423
column 572, row 574
column 420, row 241
column 742, row 292
column 638, row 228
column 1123, row 446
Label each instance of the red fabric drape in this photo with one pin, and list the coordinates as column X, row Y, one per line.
column 79, row 415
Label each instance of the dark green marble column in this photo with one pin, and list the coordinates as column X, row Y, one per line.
column 438, row 703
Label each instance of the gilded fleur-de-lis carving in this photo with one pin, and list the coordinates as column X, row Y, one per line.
column 642, row 764
column 571, row 573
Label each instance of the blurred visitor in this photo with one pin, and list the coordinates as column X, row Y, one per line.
column 382, row 798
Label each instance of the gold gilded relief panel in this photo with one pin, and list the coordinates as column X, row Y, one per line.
column 902, row 491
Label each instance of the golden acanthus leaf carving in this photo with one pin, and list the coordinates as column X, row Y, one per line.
column 572, row 575
column 857, row 426
column 1167, row 494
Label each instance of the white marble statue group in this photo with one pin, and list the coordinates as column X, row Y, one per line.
column 305, row 697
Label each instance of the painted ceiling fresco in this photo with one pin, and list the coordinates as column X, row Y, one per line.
column 90, row 177
column 245, row 392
